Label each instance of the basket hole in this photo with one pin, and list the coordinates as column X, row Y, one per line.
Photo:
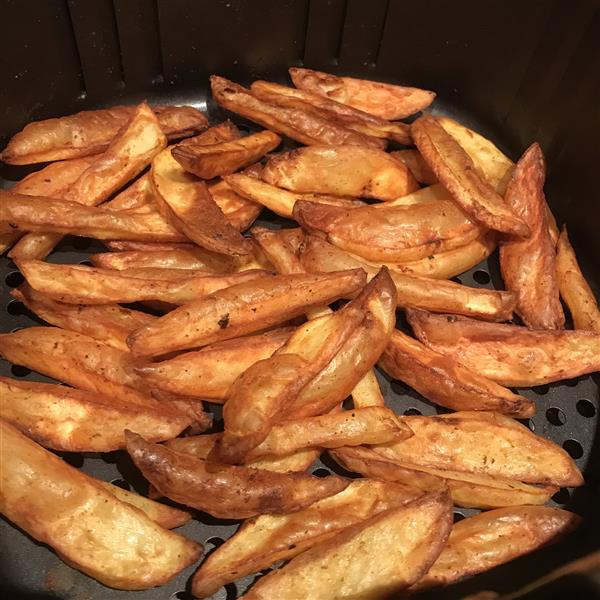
column 585, row 408
column 541, row 390
column 87, row 263
column 321, row 472
column 19, row 371
column 16, row 329
column 215, row 541
column 456, row 280
column 562, row 496
column 231, row 591
column 574, row 448
column 16, row 308
column 412, row 412
column 121, row 483
column 528, row 423
column 556, row 416
column 14, row 279
column 481, row 277
column 182, row 595
column 458, row 517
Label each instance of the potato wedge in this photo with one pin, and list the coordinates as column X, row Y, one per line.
column 446, row 382
column 238, row 210
column 455, row 169
column 367, row 392
column 529, row 266
column 242, row 309
column 129, row 245
column 62, row 418
column 137, row 197
column 91, row 132
column 264, row 540
column 416, row 165
column 223, row 132
column 80, row 284
column 209, row 373
column 301, row 125
column 383, row 100
column 508, row 354
column 85, row 524
column 483, row 443
column 344, row 170
column 387, row 553
column 574, row 289
column 228, row 492
column 187, row 203
column 492, row 538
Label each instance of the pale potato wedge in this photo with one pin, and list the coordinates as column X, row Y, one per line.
column 344, row 170
column 301, row 125
column 238, row 210
column 264, row 540
column 228, row 492
column 62, row 418
column 383, row 100
column 242, row 309
column 86, row 525
column 529, row 266
column 386, row 553
column 444, row 381
column 455, row 169
column 137, row 197
column 492, row 538
column 416, row 165
column 508, row 354
column 367, row 392
column 574, row 289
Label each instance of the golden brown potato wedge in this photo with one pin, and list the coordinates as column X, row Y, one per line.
column 264, row 540
column 223, row 132
column 227, row 492
column 508, row 354
column 129, row 245
column 215, row 160
column 62, row 418
column 108, row 323
column 367, row 392
column 416, row 165
column 91, row 132
column 209, row 373
column 492, row 538
column 375, row 558
column 455, row 169
column 242, row 309
column 86, row 525
column 304, row 126
column 344, row 170
column 137, row 197
column 187, row 203
column 238, row 210
column 574, row 289
column 444, row 381
column 383, row 100
column 529, row 265
column 80, row 284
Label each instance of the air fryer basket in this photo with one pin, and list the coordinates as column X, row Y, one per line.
column 515, row 71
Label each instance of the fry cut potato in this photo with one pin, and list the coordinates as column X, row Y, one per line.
column 238, row 210
column 387, row 553
column 344, row 170
column 446, row 382
column 383, row 100
column 455, row 169
column 242, row 309
column 492, row 538
column 214, row 160
column 301, row 125
column 228, row 492
column 367, row 392
column 62, row 418
column 508, row 354
column 416, row 165
column 529, row 266
column 264, row 540
column 86, row 525
column 574, row 289
column 91, row 132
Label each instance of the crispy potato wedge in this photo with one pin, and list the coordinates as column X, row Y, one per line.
column 129, row 245
column 446, row 382
column 344, row 170
column 416, row 165
column 228, row 492
column 80, row 284
column 492, row 538
column 209, row 373
column 508, row 354
column 224, row 158
column 242, row 309
column 486, row 443
column 574, row 289
column 304, row 126
column 91, row 132
column 348, row 116
column 383, row 100
column 529, row 265
column 238, row 210
column 387, row 553
column 62, row 418
column 139, row 196
column 367, row 392
column 264, row 540
column 108, row 323
column 187, row 203
column 87, row 526
column 455, row 169
column 223, row 132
